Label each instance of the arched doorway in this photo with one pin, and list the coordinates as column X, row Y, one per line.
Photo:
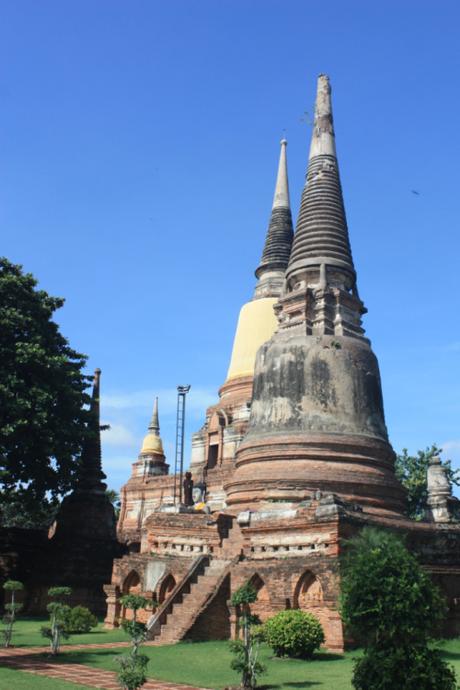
column 166, row 588
column 261, row 607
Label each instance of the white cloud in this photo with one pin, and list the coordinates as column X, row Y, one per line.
column 119, row 436
column 197, row 400
column 451, row 446
column 451, row 451
column 118, row 463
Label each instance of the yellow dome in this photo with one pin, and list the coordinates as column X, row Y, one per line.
column 152, row 444
column 256, row 324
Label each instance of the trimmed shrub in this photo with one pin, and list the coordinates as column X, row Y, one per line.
column 294, row 633
column 59, row 612
column 12, row 608
column 79, row 620
column 132, row 673
column 246, row 651
column 414, row 668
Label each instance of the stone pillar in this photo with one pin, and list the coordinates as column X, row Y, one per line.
column 113, row 606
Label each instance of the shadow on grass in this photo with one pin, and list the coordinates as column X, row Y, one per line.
column 82, row 657
column 287, row 686
column 328, row 656
column 321, row 656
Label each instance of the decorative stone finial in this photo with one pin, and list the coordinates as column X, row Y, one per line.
column 281, row 196
column 323, row 139
column 442, row 507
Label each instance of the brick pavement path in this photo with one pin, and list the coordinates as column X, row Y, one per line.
column 28, row 659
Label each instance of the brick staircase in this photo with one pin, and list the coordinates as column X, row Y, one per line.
column 187, row 601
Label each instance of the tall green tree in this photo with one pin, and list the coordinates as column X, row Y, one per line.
column 392, row 608
column 42, row 400
column 411, row 470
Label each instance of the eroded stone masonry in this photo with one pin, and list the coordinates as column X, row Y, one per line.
column 293, row 458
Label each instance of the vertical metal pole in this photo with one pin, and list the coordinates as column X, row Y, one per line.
column 180, row 431
column 177, row 445
column 181, row 474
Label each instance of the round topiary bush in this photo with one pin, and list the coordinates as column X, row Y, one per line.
column 79, row 620
column 294, row 633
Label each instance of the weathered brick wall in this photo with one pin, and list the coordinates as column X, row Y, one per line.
column 278, row 581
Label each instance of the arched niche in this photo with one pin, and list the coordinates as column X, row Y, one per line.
column 166, row 588
column 262, row 606
column 132, row 583
column 308, row 592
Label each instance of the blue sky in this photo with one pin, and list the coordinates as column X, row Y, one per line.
column 138, row 151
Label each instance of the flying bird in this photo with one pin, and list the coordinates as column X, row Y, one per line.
column 306, row 118
column 414, row 191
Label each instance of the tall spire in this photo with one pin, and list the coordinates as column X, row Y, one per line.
column 257, row 321
column 316, row 418
column 281, row 196
column 321, row 235
column 91, row 475
column 278, row 241
column 154, row 426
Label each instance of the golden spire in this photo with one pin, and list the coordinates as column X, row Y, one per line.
column 152, row 444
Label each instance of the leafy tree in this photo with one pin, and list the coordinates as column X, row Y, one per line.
column 132, row 673
column 293, row 633
column 114, row 498
column 12, row 609
column 246, row 651
column 419, row 668
column 42, row 396
column 59, row 615
column 391, row 606
column 411, row 470
column 36, row 515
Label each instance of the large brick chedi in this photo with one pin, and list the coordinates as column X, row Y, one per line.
column 294, row 457
column 317, row 419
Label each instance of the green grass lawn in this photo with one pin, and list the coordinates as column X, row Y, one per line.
column 205, row 664
column 27, row 634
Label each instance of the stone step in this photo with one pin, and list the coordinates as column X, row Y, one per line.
column 183, row 614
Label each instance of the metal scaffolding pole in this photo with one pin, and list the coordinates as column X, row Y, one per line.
column 180, row 429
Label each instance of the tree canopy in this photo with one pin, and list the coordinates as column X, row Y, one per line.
column 385, row 595
column 390, row 605
column 42, row 398
column 411, row 470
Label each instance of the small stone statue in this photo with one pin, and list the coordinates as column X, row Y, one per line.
column 188, row 489
column 199, row 492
